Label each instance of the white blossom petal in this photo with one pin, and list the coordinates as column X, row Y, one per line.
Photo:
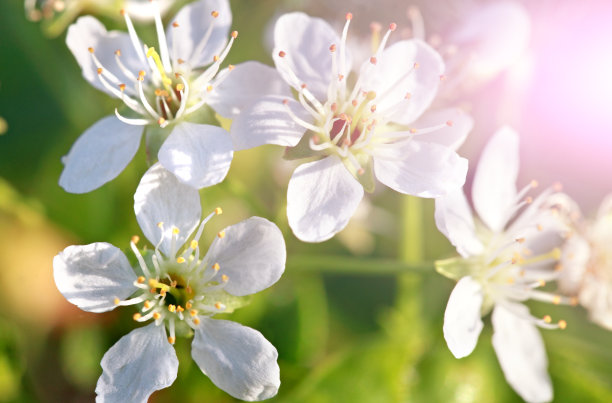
column 92, row 276
column 99, row 155
column 452, row 135
column 162, row 198
column 521, row 353
column 321, row 199
column 454, row 219
column 87, row 32
column 237, row 359
column 419, row 168
column 199, row 155
column 494, row 189
column 140, row 363
column 185, row 40
column 141, row 10
column 393, row 77
column 462, row 322
column 267, row 121
column 574, row 260
column 244, row 85
column 306, row 41
column 252, row 254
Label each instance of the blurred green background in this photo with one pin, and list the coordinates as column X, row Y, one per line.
column 355, row 319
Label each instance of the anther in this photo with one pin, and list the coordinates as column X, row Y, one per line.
column 118, row 52
column 136, row 316
column 416, row 65
column 162, row 292
column 234, row 34
column 221, row 234
column 161, row 121
column 180, row 260
column 218, row 211
column 392, row 26
column 215, row 14
column 156, row 315
column 529, row 200
column 135, row 239
column 193, row 244
column 180, row 309
column 373, row 108
column 122, row 87
column 334, row 107
column 361, row 171
column 573, row 301
column 188, row 305
column 152, row 283
column 180, row 61
column 171, row 340
column 373, row 60
column 541, row 283
column 340, row 77
column 142, row 73
column 219, row 305
column 175, row 24
column 547, row 318
column 558, row 267
column 520, row 240
column 175, row 231
column 193, row 312
column 303, row 86
column 209, row 88
column 332, row 48
column 349, row 16
column 449, row 123
column 215, row 58
column 196, row 321
column 117, row 301
column 354, row 102
column 562, row 324
column 231, row 67
column 534, row 183
column 281, row 54
column 100, row 70
column 556, row 299
column 122, row 12
column 442, row 77
column 216, row 267
column 180, row 87
column 147, row 304
column 539, row 227
column 408, row 95
column 90, row 49
column 158, row 92
column 171, row 308
column 412, row 130
column 224, row 278
column 140, row 280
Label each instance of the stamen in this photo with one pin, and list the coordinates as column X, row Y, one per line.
column 161, row 37
column 133, row 36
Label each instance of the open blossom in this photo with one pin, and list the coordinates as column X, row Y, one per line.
column 161, row 89
column 179, row 290
column 586, row 262
column 358, row 124
column 508, row 253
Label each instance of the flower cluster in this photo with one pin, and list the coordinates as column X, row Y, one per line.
column 351, row 123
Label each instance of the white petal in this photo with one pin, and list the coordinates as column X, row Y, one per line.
column 451, row 136
column 140, row 363
column 244, row 85
column 494, row 188
column 141, row 10
column 493, row 37
column 87, row 32
column 574, row 260
column 321, row 199
column 161, row 198
column 267, row 121
column 462, row 323
column 419, row 168
column 252, row 254
column 199, row 155
column 454, row 219
column 92, row 276
column 193, row 21
column 237, row 359
column 394, row 76
column 99, row 155
column 306, row 41
column 521, row 353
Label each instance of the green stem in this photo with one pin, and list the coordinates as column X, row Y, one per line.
column 353, row 265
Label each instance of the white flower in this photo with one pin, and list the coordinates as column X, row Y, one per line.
column 586, row 261
column 506, row 256
column 159, row 90
column 180, row 290
column 359, row 126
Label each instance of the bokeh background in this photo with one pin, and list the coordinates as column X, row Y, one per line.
column 355, row 319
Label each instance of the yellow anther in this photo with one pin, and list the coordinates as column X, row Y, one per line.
column 160, row 224
column 528, row 199
column 234, row 34
column 558, row 267
column 534, row 183
column 196, row 321
column 152, row 282
column 180, row 259
column 175, row 24
column 224, row 278
column 416, row 65
column 412, row 130
column 180, row 61
column 180, row 87
column 540, row 228
column 156, row 315
column 180, row 309
column 121, row 87
column 141, row 280
column 162, row 292
column 175, row 231
column 282, row 54
column 136, row 316
column 547, row 318
column 193, row 244
column 90, row 49
column 231, row 67
column 215, row 14
column 161, row 121
column 408, row 95
column 142, row 73
column 209, row 88
column 562, row 324
column 218, row 211
column 520, row 240
column 147, row 304
column 219, row 305
column 193, row 312
column 573, row 301
column 556, row 299
column 215, row 58
column 188, row 305
column 158, row 92
column 171, row 340
column 221, row 234
column 541, row 283
column 135, row 239
column 118, row 52
column 117, row 301
column 122, row 12
column 171, row 308
column 100, row 70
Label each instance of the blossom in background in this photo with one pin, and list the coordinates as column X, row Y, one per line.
column 508, row 253
column 57, row 14
column 180, row 291
column 586, row 262
column 357, row 124
column 161, row 90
